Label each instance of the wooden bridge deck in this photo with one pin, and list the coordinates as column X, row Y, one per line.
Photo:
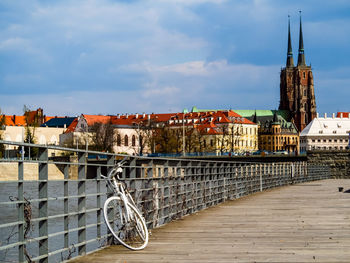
column 300, row 223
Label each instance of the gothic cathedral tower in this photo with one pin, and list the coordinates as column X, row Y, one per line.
column 297, row 86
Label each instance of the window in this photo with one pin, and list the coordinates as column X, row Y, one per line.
column 126, row 140
column 304, row 75
column 119, row 140
column 211, row 143
column 204, row 143
column 133, row 140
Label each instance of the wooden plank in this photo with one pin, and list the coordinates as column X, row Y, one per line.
column 309, row 222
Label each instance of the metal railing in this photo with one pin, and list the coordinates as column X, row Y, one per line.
column 52, row 220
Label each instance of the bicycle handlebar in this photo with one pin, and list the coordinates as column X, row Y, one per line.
column 117, row 169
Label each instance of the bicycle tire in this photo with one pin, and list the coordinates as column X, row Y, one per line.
column 132, row 234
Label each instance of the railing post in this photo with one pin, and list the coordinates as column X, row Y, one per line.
column 166, row 202
column 110, row 164
column 20, row 212
column 82, row 202
column 65, row 206
column 98, row 202
column 43, row 204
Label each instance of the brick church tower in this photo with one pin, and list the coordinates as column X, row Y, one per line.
column 297, row 93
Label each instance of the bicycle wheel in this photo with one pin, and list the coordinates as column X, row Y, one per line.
column 131, row 231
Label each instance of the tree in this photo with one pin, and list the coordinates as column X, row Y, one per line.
column 223, row 140
column 234, row 136
column 103, row 136
column 29, row 133
column 164, row 140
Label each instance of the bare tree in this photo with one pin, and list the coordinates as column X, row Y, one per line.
column 223, row 129
column 103, row 136
column 234, row 136
column 164, row 140
column 30, row 128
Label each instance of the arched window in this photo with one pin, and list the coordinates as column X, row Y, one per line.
column 126, row 140
column 133, row 140
column 119, row 140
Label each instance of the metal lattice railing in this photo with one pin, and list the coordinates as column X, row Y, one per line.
column 56, row 214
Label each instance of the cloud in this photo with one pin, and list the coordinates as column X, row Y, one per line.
column 156, row 55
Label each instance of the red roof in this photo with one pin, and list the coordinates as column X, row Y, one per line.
column 204, row 121
column 344, row 114
column 92, row 119
column 32, row 116
column 71, row 127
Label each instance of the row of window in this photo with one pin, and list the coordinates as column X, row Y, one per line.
column 126, row 140
column 324, row 140
column 281, row 140
column 303, row 149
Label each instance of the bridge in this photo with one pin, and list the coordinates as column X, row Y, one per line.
column 308, row 222
column 55, row 214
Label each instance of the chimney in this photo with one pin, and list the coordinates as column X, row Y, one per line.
column 333, row 115
column 317, row 115
column 325, row 115
column 137, row 116
column 143, row 115
column 149, row 116
column 341, row 115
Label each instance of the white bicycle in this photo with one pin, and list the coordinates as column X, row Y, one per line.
column 121, row 215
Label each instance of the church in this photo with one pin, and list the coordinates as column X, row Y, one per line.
column 279, row 129
column 297, row 95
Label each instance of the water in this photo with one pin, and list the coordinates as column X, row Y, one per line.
column 8, row 214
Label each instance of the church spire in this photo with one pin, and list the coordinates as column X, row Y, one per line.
column 301, row 56
column 290, row 62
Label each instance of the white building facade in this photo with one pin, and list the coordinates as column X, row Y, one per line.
column 326, row 133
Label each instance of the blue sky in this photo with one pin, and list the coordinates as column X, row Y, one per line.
column 107, row 56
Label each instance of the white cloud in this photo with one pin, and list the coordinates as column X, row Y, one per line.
column 156, row 55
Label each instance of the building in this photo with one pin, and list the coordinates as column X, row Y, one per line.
column 29, row 118
column 326, row 133
column 297, row 95
column 15, row 129
column 276, row 134
column 218, row 132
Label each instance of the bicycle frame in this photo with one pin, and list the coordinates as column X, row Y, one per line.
column 120, row 192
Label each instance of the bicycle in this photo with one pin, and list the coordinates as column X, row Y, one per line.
column 121, row 215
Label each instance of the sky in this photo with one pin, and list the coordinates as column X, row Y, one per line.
column 116, row 56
